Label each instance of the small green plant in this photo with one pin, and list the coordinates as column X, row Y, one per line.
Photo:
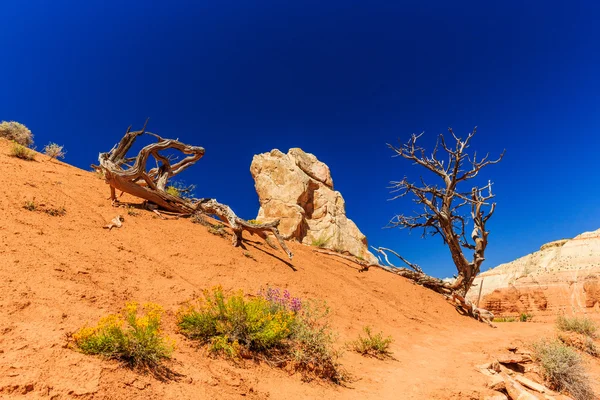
column 321, row 242
column 248, row 255
column 525, row 317
column 563, row 368
column 254, row 222
column 372, row 345
column 180, row 189
column 30, row 205
column 56, row 212
column 16, row 132
column 22, row 152
column 132, row 212
column 504, row 319
column 278, row 329
column 173, row 191
column 582, row 325
column 218, row 230
column 130, row 337
column 54, row 151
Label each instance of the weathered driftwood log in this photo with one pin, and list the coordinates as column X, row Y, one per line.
column 150, row 185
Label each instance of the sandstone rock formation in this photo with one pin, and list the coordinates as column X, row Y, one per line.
column 297, row 189
column 563, row 276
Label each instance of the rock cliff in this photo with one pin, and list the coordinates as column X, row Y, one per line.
column 297, row 189
column 563, row 275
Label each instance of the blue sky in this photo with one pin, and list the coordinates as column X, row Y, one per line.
column 339, row 79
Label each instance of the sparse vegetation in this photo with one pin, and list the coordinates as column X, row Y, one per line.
column 134, row 339
column 275, row 328
column 54, row 151
column 582, row 325
column 563, row 368
column 16, row 132
column 248, row 255
column 504, row 319
column 173, row 191
column 22, row 152
column 320, row 242
column 56, row 212
column 132, row 212
column 525, row 317
column 217, row 229
column 580, row 342
column 373, row 345
column 181, row 190
column 30, row 205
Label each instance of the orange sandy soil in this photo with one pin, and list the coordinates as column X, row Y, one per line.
column 59, row 273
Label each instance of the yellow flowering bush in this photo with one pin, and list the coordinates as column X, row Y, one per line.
column 134, row 336
column 231, row 324
column 270, row 327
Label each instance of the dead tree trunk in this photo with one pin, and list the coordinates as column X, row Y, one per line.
column 443, row 204
column 130, row 175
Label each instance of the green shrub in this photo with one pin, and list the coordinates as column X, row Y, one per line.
column 582, row 325
column 373, row 345
column 268, row 327
column 232, row 323
column 22, row 152
column 504, row 319
column 54, row 151
column 128, row 337
column 173, row 191
column 562, row 367
column 525, row 317
column 16, row 132
column 180, row 189
column 30, row 205
column 217, row 229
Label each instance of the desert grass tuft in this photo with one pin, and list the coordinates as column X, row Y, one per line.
column 562, row 367
column 373, row 345
column 22, row 152
column 582, row 325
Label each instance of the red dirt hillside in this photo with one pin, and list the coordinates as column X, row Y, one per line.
column 58, row 273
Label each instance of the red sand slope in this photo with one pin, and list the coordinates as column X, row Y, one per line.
column 57, row 273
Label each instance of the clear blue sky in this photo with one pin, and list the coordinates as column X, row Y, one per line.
column 336, row 78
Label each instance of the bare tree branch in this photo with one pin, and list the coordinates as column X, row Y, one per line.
column 443, row 205
column 150, row 185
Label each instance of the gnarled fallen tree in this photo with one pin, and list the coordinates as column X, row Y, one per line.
column 130, row 175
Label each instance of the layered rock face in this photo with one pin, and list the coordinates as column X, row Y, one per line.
column 563, row 276
column 297, row 189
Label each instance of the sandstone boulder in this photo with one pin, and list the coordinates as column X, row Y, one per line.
column 297, row 189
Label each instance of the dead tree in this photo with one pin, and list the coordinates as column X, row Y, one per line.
column 130, row 175
column 443, row 204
